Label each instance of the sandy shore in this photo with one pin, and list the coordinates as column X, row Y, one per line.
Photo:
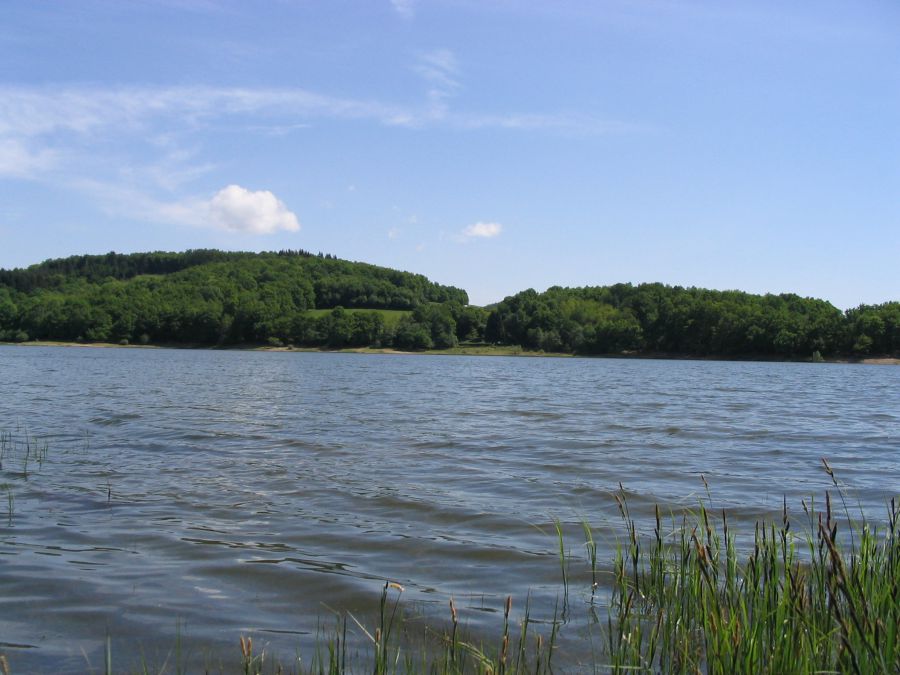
column 455, row 351
column 48, row 343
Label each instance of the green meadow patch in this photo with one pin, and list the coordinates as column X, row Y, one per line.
column 391, row 317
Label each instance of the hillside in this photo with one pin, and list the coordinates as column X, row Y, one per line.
column 209, row 297
column 660, row 319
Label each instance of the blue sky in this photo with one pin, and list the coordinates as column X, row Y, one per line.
column 492, row 145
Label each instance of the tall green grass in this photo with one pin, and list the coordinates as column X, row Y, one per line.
column 21, row 455
column 822, row 600
column 821, row 596
column 391, row 648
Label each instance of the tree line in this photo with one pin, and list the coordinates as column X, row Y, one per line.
column 199, row 297
column 211, row 297
column 655, row 318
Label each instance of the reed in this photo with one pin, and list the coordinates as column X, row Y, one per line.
column 562, row 562
column 10, row 502
column 817, row 601
column 591, row 547
column 687, row 598
column 22, row 446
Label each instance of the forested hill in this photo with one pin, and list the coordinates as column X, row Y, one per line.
column 654, row 318
column 200, row 296
column 211, row 297
column 362, row 284
column 56, row 272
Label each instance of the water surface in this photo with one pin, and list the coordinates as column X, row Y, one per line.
column 231, row 492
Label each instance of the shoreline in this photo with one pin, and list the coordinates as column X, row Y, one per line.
column 475, row 350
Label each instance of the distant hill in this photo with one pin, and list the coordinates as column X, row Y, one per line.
column 205, row 297
column 210, row 297
column 671, row 320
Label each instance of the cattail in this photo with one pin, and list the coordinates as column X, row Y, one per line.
column 508, row 607
column 620, row 505
column 453, row 615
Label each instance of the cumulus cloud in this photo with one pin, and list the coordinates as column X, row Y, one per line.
column 481, row 231
column 237, row 209
column 233, row 208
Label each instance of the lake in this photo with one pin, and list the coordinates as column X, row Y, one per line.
column 212, row 494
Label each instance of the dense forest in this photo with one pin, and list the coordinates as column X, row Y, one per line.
column 654, row 318
column 212, row 298
column 209, row 297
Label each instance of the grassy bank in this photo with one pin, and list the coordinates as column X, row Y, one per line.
column 466, row 350
column 462, row 350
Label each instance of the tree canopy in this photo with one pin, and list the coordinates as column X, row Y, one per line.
column 211, row 297
column 202, row 296
column 655, row 318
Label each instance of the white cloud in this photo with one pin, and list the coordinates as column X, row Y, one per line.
column 233, row 208
column 34, row 111
column 237, row 209
column 439, row 66
column 405, row 8
column 439, row 69
column 65, row 116
column 18, row 161
column 393, row 233
column 481, row 231
column 135, row 149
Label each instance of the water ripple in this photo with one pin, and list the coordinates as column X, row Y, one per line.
column 180, row 485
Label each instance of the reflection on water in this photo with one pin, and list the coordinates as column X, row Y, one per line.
column 242, row 492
